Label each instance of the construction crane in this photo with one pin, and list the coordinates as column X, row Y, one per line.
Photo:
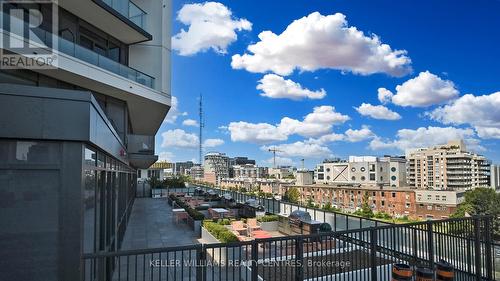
column 274, row 150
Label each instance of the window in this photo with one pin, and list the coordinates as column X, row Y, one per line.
column 327, row 177
column 362, row 169
column 382, row 203
column 394, row 195
column 393, row 178
column 363, row 178
column 372, row 167
column 139, row 173
column 353, row 169
column 383, row 194
column 372, row 177
column 429, row 207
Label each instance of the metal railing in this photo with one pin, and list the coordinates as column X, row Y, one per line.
column 80, row 52
column 362, row 254
column 128, row 9
column 340, row 221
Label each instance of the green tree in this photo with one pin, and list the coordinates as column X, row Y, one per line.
column 292, row 195
column 310, row 203
column 365, row 211
column 479, row 202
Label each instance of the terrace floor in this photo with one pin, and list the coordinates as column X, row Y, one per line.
column 151, row 226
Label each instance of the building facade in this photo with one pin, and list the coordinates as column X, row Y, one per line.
column 437, row 204
column 397, row 202
column 495, row 177
column 72, row 137
column 447, row 167
column 365, row 170
column 215, row 167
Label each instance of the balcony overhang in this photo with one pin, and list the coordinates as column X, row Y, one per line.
column 142, row 161
column 102, row 16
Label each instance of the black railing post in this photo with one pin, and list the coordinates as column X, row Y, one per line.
column 201, row 257
column 254, row 260
column 373, row 253
column 414, row 245
column 430, row 244
column 487, row 248
column 477, row 248
column 299, row 258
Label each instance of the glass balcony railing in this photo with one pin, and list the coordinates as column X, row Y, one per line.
column 129, row 10
column 87, row 55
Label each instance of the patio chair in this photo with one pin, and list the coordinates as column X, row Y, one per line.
column 238, row 227
column 252, row 224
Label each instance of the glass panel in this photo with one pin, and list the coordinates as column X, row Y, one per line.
column 89, row 217
column 31, row 152
column 90, row 157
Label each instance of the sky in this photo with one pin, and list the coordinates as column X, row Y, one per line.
column 319, row 79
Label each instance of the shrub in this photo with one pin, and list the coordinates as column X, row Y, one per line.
column 220, row 232
column 268, row 218
column 194, row 214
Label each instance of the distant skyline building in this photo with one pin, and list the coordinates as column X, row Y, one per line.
column 495, row 177
column 447, row 167
column 216, row 167
column 363, row 170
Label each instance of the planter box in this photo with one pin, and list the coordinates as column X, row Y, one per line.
column 269, row 226
column 223, row 254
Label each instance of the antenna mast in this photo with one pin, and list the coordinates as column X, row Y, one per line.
column 202, row 125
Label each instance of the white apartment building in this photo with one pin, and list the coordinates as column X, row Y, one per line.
column 247, row 171
column 280, row 172
column 495, row 177
column 215, row 167
column 446, row 167
column 365, row 170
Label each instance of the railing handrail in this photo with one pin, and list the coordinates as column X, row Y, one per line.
column 274, row 239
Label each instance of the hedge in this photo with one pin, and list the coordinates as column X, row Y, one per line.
column 268, row 218
column 219, row 231
column 195, row 214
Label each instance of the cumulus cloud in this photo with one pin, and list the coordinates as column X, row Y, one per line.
column 179, row 138
column 322, row 42
column 359, row 135
column 211, row 26
column 280, row 161
column 424, row 90
column 256, row 133
column 377, row 112
column 276, row 87
column 165, row 156
column 213, row 142
column 190, row 122
column 384, row 95
column 481, row 112
column 317, row 123
column 301, row 149
column 174, row 112
column 407, row 139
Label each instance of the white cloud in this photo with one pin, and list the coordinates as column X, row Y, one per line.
column 482, row 112
column 384, row 95
column 377, row 112
column 213, row 142
column 301, row 149
column 424, row 90
column 315, row 42
column 407, row 139
column 211, row 26
column 190, row 122
column 256, row 133
column 275, row 86
column 317, row 123
column 174, row 112
column 359, row 135
column 179, row 138
column 280, row 161
column 165, row 156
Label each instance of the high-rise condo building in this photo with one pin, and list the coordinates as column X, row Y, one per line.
column 84, row 87
column 216, row 167
column 447, row 167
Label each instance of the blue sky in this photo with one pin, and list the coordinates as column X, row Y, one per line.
column 447, row 74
